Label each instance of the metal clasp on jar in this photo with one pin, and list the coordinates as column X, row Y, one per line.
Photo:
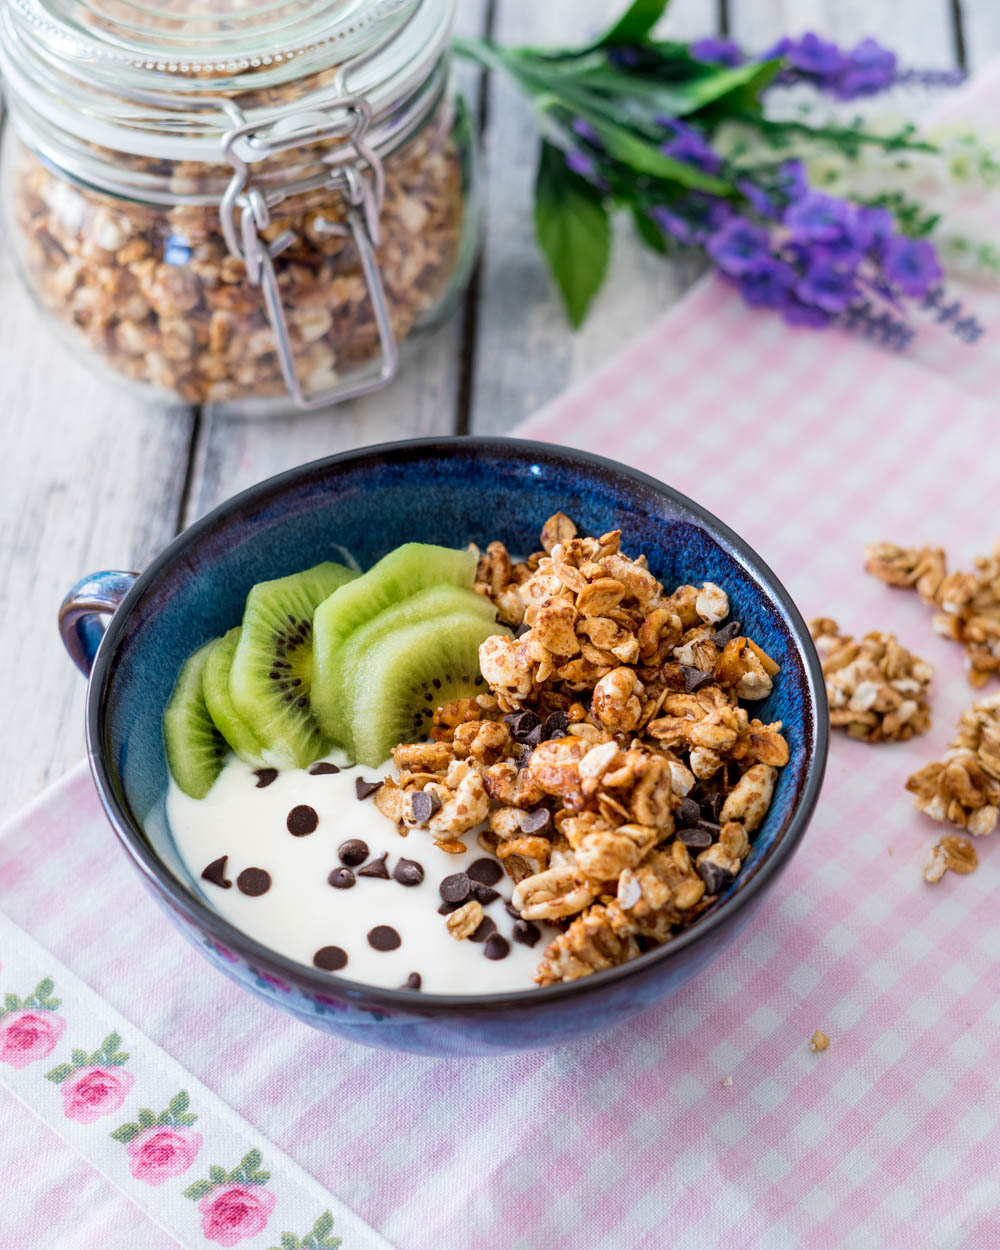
column 346, row 118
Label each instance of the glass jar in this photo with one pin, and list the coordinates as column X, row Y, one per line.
column 257, row 227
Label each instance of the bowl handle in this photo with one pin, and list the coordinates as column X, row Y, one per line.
column 80, row 626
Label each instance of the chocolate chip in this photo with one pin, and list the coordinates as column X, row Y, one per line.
column 488, row 871
column 413, row 982
column 710, row 827
column 423, row 805
column 330, row 958
column 497, row 947
column 341, row 879
column 447, row 908
column 456, row 888
column 689, row 813
column 536, row 821
column 302, row 820
column 353, row 852
column 695, row 839
column 408, row 872
column 525, row 932
column 384, row 938
column 216, row 873
column 727, row 633
column 364, row 788
column 253, row 881
column 265, row 776
column 716, row 878
column 483, row 894
column 556, row 726
column 521, row 630
column 510, row 909
column 534, row 738
column 712, row 803
column 522, row 724
column 376, row 868
column 694, row 678
column 322, row 769
column 487, row 927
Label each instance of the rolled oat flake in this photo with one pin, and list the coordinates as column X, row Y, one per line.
column 245, row 205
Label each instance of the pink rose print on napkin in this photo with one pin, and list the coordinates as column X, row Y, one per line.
column 92, row 1085
column 94, row 1092
column 161, row 1146
column 235, row 1212
column 29, row 1027
column 28, row 1035
column 234, row 1205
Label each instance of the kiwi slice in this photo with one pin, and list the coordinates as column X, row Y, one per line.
column 271, row 673
column 436, row 603
column 397, row 576
column 195, row 747
column 404, row 676
column 215, row 687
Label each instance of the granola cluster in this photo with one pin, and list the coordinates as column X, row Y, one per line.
column 967, row 604
column 964, row 787
column 612, row 768
column 156, row 294
column 876, row 688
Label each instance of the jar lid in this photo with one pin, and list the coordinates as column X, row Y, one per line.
column 207, row 37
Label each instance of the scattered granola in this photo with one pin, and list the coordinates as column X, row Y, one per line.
column 968, row 604
column 876, row 688
column 612, row 768
column 964, row 786
column 819, row 1041
column 954, row 853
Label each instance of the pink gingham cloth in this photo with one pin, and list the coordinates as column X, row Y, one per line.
column 706, row 1123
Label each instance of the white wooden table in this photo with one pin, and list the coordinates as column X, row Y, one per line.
column 90, row 479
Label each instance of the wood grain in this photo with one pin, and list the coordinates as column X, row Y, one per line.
column 525, row 351
column 89, row 480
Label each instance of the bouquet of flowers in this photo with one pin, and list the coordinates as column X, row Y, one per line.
column 678, row 135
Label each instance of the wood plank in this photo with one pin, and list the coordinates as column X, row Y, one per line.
column 981, row 27
column 525, row 350
column 423, row 400
column 89, row 479
column 924, row 39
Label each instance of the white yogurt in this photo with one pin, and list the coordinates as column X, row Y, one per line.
column 300, row 913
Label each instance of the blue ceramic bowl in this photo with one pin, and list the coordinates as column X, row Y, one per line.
column 441, row 491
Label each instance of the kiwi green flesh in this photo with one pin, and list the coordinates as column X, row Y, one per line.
column 215, row 687
column 403, row 572
column 404, row 677
column 195, row 748
column 271, row 674
column 436, row 603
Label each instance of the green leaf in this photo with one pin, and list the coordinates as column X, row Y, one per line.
column 636, row 22
column 251, row 1161
column 80, row 1058
column 646, row 158
column 126, row 1132
column 11, row 1002
column 165, row 1118
column 52, row 1004
column 146, row 1118
column 59, row 1073
column 648, row 230
column 198, row 1190
column 573, row 231
column 111, row 1043
column 44, row 988
column 185, row 1120
column 179, row 1103
column 217, row 1174
column 116, row 1061
column 289, row 1241
column 258, row 1178
column 323, row 1226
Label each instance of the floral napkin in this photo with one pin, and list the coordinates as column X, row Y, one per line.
column 169, row 1107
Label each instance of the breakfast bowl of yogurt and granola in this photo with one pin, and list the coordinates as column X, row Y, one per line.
column 455, row 746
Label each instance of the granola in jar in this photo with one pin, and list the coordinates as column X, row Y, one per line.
column 149, row 258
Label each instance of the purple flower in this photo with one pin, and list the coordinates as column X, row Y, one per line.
column 586, row 132
column 769, row 285
column 799, row 314
column 813, row 55
column 817, row 218
column 826, row 286
column 580, row 164
column 739, row 247
column 672, row 223
column 792, row 181
column 692, row 218
column 757, row 198
column 776, row 49
column 866, row 69
column 873, row 226
column 717, row 51
column 911, row 265
column 688, row 146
